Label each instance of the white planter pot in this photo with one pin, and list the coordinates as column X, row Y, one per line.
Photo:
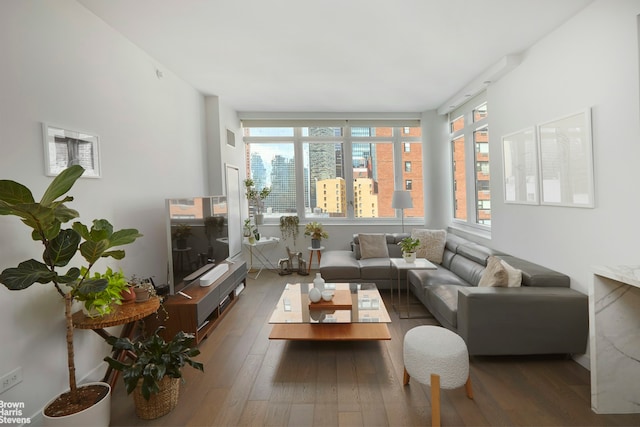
column 409, row 257
column 98, row 415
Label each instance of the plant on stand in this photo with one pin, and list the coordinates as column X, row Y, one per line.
column 317, row 233
column 256, row 199
column 154, row 375
column 45, row 219
column 409, row 246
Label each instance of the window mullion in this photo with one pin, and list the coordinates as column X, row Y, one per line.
column 348, row 172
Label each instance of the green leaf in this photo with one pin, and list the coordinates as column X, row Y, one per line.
column 71, row 276
column 124, row 237
column 92, row 286
column 26, row 274
column 62, row 248
column 92, row 251
column 61, row 184
column 14, row 193
column 100, row 230
column 119, row 254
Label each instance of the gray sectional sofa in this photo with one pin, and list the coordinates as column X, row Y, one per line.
column 543, row 316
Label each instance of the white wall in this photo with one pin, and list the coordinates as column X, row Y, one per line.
column 591, row 61
column 63, row 65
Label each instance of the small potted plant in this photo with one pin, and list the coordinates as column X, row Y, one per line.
column 143, row 288
column 409, row 246
column 181, row 233
column 154, row 376
column 256, row 198
column 96, row 303
column 317, row 233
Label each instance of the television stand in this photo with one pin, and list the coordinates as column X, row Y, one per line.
column 199, row 312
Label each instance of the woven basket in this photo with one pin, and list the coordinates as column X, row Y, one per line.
column 158, row 404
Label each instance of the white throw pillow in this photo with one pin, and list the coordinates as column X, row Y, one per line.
column 494, row 275
column 515, row 275
column 432, row 243
column 373, row 246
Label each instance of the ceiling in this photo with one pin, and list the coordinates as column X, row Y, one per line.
column 332, row 55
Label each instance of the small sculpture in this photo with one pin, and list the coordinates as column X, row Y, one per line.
column 284, row 266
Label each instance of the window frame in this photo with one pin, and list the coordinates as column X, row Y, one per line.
column 471, row 124
column 398, row 140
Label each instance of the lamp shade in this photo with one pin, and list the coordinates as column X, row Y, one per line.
column 401, row 200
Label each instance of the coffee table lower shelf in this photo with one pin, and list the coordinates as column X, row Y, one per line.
column 330, row 332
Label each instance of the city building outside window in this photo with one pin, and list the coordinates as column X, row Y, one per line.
column 362, row 165
column 470, row 163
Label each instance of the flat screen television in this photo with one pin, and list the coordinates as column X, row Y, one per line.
column 197, row 236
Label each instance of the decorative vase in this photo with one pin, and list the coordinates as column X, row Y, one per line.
column 315, row 243
column 259, row 218
column 315, row 295
column 318, row 282
column 409, row 257
column 98, row 415
column 181, row 243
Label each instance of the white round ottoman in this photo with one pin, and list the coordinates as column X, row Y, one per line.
column 435, row 356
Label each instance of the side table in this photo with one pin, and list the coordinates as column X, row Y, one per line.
column 255, row 249
column 311, row 251
column 127, row 315
column 400, row 264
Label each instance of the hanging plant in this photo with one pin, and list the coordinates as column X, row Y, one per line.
column 289, row 227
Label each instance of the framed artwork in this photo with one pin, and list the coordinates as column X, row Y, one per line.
column 65, row 147
column 520, row 167
column 566, row 161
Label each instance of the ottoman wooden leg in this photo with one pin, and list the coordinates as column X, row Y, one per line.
column 406, row 377
column 435, row 400
column 467, row 387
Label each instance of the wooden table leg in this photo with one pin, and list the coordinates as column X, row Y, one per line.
column 310, row 259
column 435, row 400
column 128, row 331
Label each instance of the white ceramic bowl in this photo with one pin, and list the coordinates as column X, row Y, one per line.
column 327, row 295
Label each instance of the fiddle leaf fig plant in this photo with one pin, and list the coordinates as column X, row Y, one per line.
column 45, row 219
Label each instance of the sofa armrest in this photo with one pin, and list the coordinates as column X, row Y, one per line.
column 525, row 320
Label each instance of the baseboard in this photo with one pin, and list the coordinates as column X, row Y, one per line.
column 583, row 360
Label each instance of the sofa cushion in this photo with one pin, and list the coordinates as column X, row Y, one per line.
column 373, row 246
column 432, row 243
column 495, row 275
column 443, row 299
column 373, row 269
column 339, row 265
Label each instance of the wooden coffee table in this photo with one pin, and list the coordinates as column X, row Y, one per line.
column 356, row 313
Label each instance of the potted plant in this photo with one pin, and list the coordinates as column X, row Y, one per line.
column 45, row 219
column 100, row 303
column 409, row 246
column 317, row 233
column 181, row 233
column 256, row 199
column 154, row 375
column 289, row 227
column 143, row 288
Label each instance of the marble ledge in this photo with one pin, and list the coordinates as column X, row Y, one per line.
column 627, row 274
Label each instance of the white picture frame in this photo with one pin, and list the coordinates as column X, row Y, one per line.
column 520, row 167
column 566, row 161
column 66, row 147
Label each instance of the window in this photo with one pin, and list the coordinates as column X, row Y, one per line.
column 407, row 166
column 360, row 166
column 470, row 162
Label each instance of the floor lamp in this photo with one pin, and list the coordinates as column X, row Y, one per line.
column 401, row 200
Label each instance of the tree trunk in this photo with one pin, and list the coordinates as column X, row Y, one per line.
column 68, row 302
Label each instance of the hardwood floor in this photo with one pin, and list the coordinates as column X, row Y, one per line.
column 252, row 381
